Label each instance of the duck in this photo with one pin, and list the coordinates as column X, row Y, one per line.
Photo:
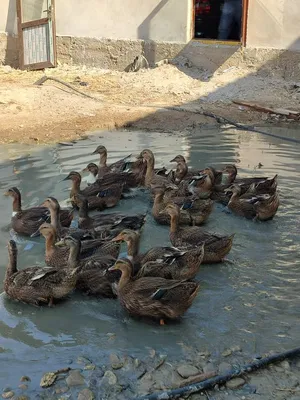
column 261, row 207
column 181, row 169
column 103, row 168
column 92, row 273
column 249, row 187
column 58, row 256
column 107, row 197
column 125, row 179
column 26, row 222
column 153, row 297
column 151, row 178
column 216, row 247
column 108, row 221
column 188, row 215
column 53, row 206
column 202, row 184
column 37, row 285
column 167, row 262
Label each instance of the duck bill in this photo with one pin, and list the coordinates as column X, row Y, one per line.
column 5, row 194
column 85, row 169
column 61, row 243
column 118, row 238
column 66, row 178
column 173, row 160
column 35, row 234
column 112, row 268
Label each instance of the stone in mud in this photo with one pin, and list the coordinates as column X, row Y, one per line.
column 22, row 398
column 236, row 348
column 227, row 353
column 8, row 395
column 61, row 390
column 235, row 383
column 115, row 361
column 23, row 386
column 25, row 379
column 185, row 370
column 285, row 365
column 83, row 360
column 86, row 394
column 110, row 377
column 75, row 378
column 224, row 367
column 89, row 367
column 209, row 367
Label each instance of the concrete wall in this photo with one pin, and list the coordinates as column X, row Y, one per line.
column 274, row 24
column 161, row 20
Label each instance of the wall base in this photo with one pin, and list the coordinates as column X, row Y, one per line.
column 118, row 54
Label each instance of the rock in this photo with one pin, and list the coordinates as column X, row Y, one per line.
column 285, row 365
column 83, row 360
column 2, row 350
column 22, row 398
column 224, row 367
column 90, row 367
column 186, row 370
column 110, row 377
column 115, row 361
column 75, row 378
column 86, row 394
column 227, row 353
column 236, row 348
column 209, row 367
column 23, row 386
column 8, row 395
column 6, row 68
column 61, row 390
column 25, row 379
column 235, row 383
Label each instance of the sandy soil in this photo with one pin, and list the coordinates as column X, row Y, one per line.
column 53, row 112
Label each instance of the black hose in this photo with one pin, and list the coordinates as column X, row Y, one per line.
column 221, row 379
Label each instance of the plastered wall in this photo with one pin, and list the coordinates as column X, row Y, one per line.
column 274, row 24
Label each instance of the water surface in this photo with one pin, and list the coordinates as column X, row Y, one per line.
column 253, row 301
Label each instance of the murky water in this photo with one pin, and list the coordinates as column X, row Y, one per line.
column 252, row 302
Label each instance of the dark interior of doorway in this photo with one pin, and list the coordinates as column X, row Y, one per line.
column 207, row 19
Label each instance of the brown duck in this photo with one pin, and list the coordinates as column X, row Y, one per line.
column 37, row 285
column 153, row 297
column 166, row 262
column 151, row 178
column 103, row 167
column 216, row 247
column 58, row 256
column 258, row 207
column 189, row 215
column 27, row 222
column 92, row 276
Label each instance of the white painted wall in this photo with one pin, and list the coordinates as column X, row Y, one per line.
column 167, row 20
column 274, row 24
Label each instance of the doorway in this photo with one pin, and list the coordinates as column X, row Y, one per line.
column 207, row 16
column 36, row 33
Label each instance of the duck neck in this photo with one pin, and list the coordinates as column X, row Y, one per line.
column 174, row 223
column 75, row 187
column 158, row 201
column 149, row 171
column 17, row 207
column 83, row 211
column 55, row 220
column 50, row 241
column 234, row 197
column 125, row 278
column 132, row 248
column 74, row 256
column 12, row 265
column 103, row 159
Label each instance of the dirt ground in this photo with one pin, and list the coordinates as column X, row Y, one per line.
column 52, row 112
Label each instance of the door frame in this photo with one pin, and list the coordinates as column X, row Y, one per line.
column 42, row 21
column 243, row 40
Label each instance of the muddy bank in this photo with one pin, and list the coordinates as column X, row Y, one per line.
column 122, row 376
column 54, row 112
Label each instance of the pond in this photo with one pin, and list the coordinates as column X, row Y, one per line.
column 251, row 301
